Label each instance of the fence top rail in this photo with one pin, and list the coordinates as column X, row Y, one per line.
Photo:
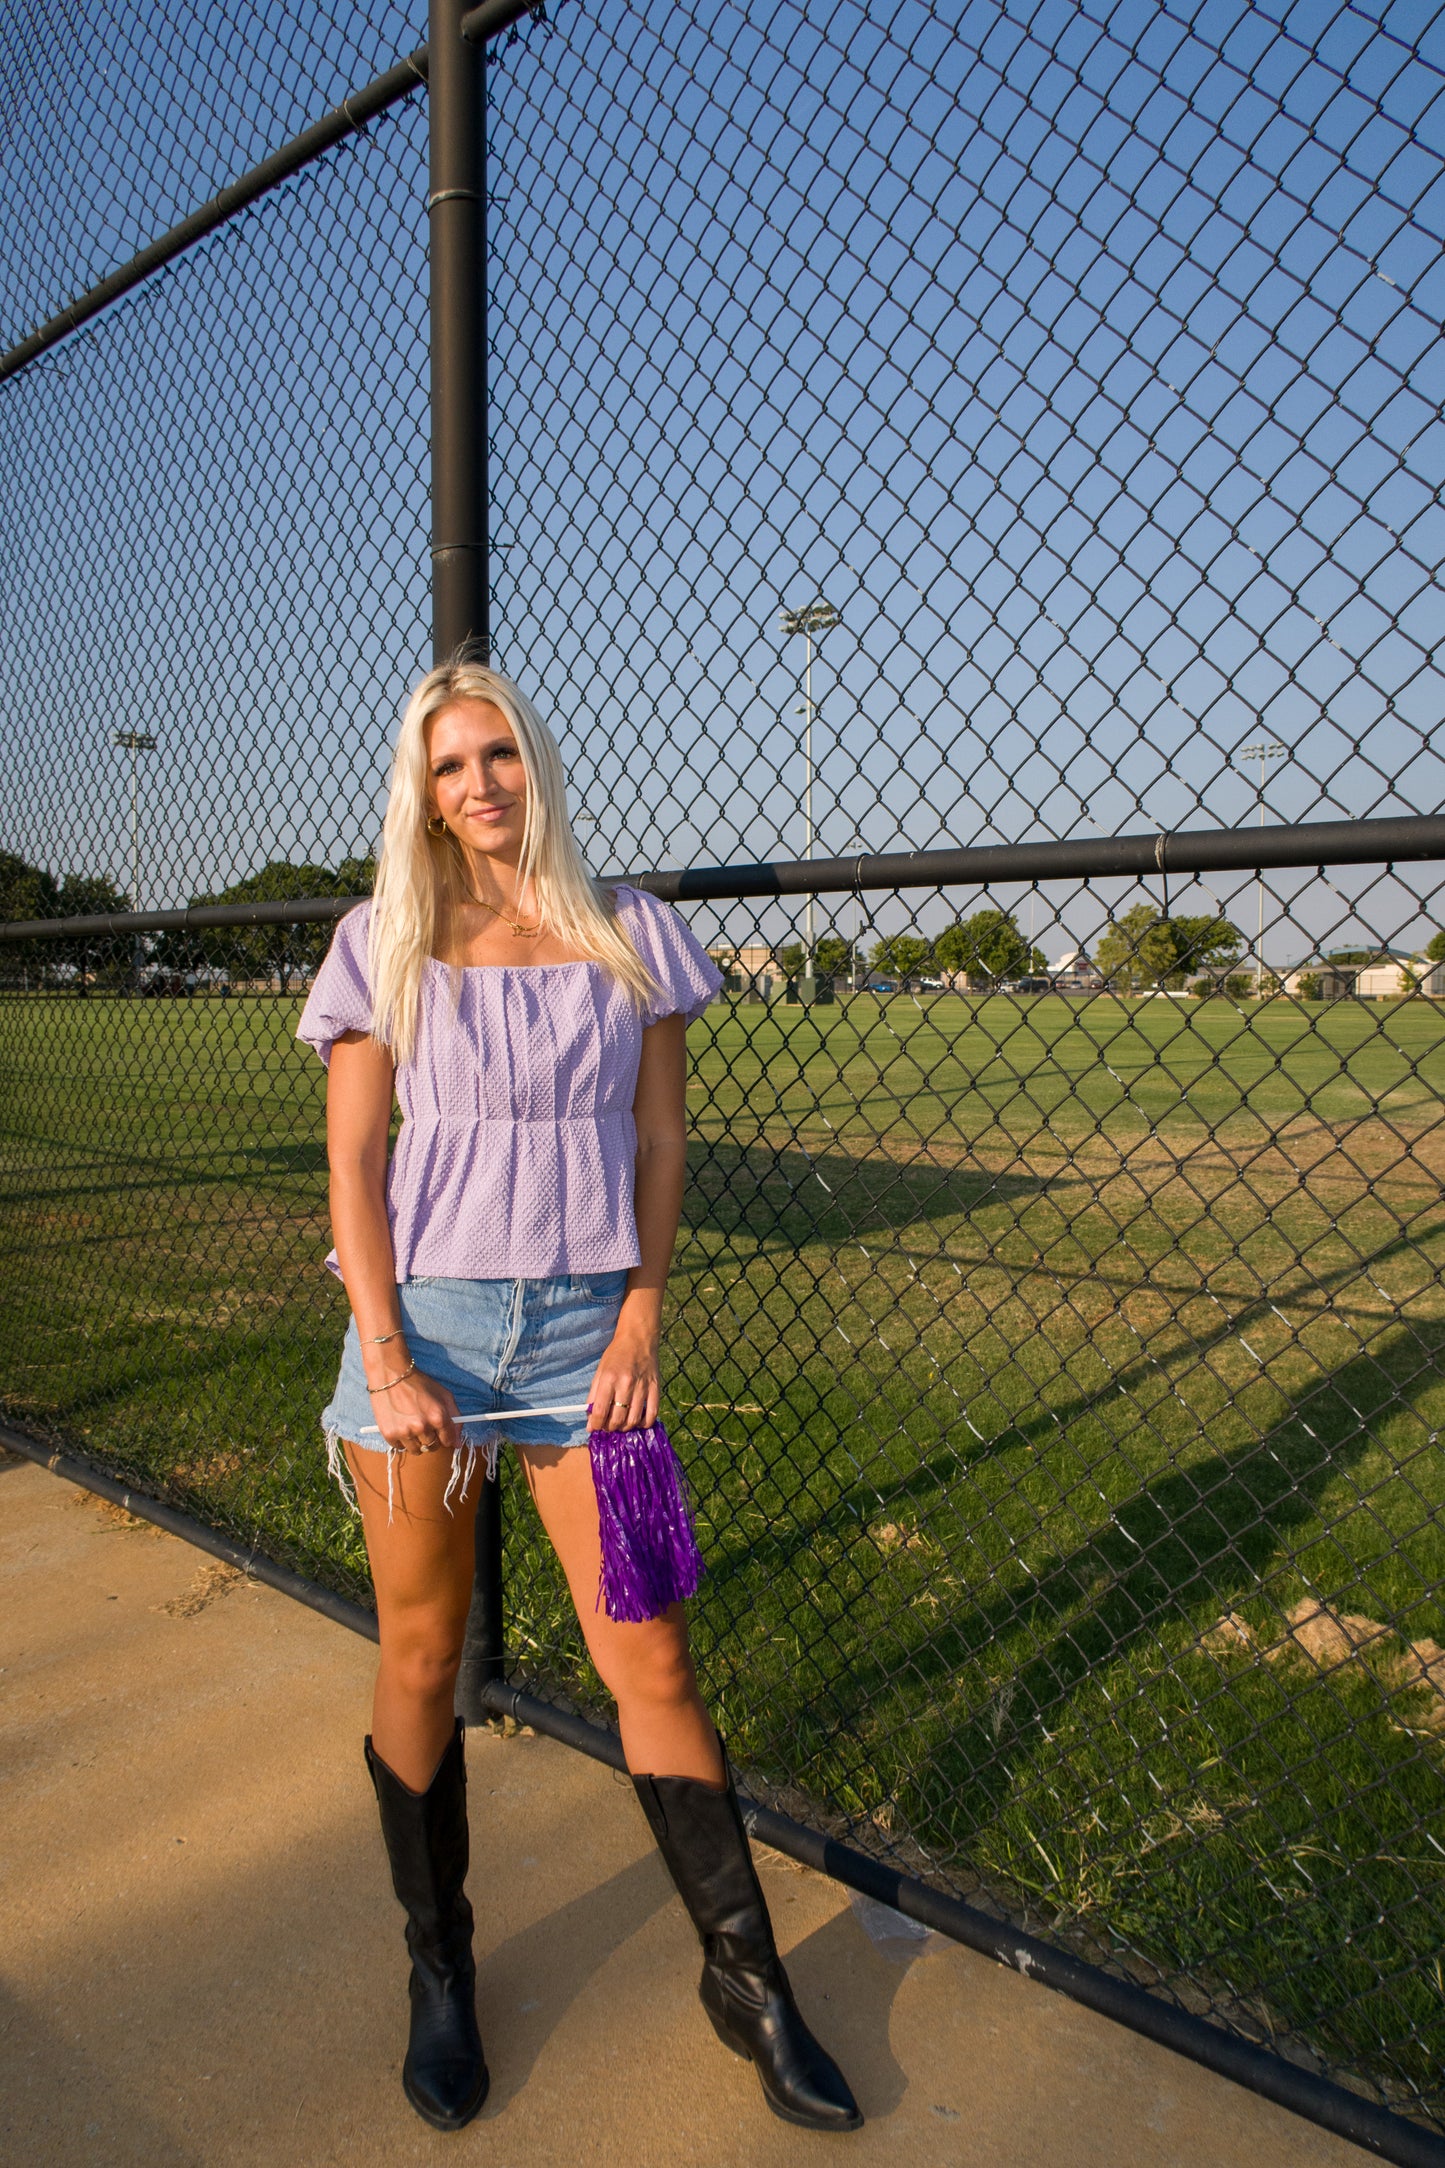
column 348, row 118
column 1413, row 838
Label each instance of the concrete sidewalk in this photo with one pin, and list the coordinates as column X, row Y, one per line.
column 203, row 1962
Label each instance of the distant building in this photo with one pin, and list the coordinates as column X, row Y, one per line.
column 749, row 966
column 1071, row 975
column 1074, row 974
column 1385, row 980
column 1385, row 976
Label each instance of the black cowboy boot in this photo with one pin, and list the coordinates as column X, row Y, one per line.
column 444, row 2076
column 744, row 1988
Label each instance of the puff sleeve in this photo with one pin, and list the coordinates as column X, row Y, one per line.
column 686, row 975
column 340, row 998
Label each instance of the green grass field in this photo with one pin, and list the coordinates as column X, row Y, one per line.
column 1014, row 1345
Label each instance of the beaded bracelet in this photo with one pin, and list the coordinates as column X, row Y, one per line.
column 380, row 1339
column 393, row 1381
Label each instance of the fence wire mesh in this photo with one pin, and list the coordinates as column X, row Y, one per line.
column 905, row 431
column 1083, row 363
column 214, row 529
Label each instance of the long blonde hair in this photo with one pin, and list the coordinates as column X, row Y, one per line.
column 419, row 881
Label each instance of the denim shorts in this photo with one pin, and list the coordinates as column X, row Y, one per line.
column 496, row 1345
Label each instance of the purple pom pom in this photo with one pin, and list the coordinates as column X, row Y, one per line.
column 650, row 1556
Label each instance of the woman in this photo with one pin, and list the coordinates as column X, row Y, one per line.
column 531, row 1025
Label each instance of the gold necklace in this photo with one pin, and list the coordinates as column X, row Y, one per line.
column 527, row 933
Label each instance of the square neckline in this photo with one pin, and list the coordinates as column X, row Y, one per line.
column 576, row 963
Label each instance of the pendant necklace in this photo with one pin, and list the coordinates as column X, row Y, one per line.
column 526, row 933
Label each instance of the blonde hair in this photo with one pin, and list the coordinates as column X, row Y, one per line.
column 419, row 882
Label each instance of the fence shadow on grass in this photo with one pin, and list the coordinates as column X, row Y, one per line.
column 956, row 1721
column 1205, row 1532
column 780, row 1196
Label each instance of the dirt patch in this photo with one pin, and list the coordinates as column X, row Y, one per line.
column 1356, row 1152
column 889, row 1536
column 114, row 1519
column 211, row 1583
column 205, row 1470
column 1331, row 1641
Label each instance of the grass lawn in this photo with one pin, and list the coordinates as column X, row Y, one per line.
column 1032, row 1360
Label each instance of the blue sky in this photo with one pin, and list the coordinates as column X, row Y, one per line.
column 1086, row 358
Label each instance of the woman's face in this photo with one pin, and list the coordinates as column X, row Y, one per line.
column 475, row 778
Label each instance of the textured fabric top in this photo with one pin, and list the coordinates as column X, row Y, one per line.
column 517, row 1147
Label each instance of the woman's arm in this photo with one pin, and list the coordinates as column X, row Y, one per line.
column 416, row 1412
column 626, row 1389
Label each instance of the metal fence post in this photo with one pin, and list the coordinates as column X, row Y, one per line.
column 457, row 204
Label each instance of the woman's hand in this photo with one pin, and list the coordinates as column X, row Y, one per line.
column 627, row 1390
column 417, row 1415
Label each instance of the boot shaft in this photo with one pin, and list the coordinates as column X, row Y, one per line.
column 701, row 1836
column 427, row 1846
column 745, row 1991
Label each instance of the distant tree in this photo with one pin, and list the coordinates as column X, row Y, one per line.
column 273, row 951
column 903, row 956
column 26, row 892
column 988, row 946
column 180, row 950
column 356, row 876
column 1135, row 951
column 94, row 959
column 1209, row 942
column 1309, row 986
column 834, row 957
column 87, row 895
column 1435, row 948
column 1144, row 948
column 251, row 952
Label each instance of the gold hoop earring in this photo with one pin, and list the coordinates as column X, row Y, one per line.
column 437, row 827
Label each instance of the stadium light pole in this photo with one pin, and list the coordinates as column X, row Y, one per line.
column 815, row 617
column 1264, row 750
column 135, row 742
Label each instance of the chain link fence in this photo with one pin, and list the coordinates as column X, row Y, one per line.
column 906, row 432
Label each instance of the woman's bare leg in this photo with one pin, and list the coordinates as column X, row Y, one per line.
column 421, row 1567
column 666, row 1731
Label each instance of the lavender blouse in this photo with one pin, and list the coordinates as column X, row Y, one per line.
column 517, row 1147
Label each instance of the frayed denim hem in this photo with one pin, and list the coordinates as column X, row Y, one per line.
column 464, row 1461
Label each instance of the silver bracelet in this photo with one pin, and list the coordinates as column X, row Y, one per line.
column 393, row 1381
